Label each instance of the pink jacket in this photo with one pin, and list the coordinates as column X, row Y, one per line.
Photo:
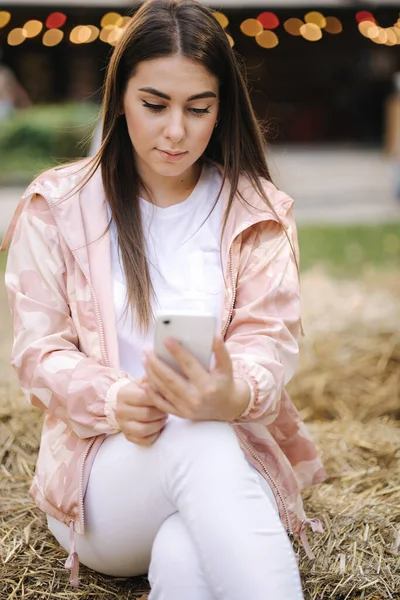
column 65, row 350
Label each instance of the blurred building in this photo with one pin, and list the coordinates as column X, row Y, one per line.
column 325, row 83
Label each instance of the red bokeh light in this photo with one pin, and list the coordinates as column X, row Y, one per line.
column 364, row 15
column 55, row 20
column 268, row 20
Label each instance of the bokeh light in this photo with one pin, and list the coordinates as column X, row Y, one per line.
column 396, row 31
column 368, row 28
column 52, row 37
column 106, row 32
column 222, row 19
column 4, row 18
column 16, row 37
column 111, row 18
column 268, row 20
column 94, row 33
column 84, row 34
column 267, row 39
column 123, row 22
column 74, row 35
column 230, row 40
column 365, row 15
column 293, row 26
column 311, row 32
column 32, row 28
column 55, row 20
column 333, row 25
column 381, row 38
column 251, row 27
column 391, row 37
column 315, row 18
column 115, row 36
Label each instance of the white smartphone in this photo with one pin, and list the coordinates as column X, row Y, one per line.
column 194, row 331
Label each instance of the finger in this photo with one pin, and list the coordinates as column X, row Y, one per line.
column 165, row 380
column 147, row 414
column 223, row 361
column 189, row 364
column 143, row 430
column 147, row 441
column 163, row 404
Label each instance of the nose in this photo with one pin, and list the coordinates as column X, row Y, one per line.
column 175, row 127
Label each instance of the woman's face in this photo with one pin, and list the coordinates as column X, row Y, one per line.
column 171, row 107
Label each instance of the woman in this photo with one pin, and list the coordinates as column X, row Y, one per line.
column 195, row 480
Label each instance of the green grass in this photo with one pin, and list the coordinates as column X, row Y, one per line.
column 348, row 250
column 342, row 250
column 44, row 135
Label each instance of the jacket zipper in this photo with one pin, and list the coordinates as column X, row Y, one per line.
column 228, row 320
column 235, row 427
column 81, row 509
column 278, row 491
column 103, row 350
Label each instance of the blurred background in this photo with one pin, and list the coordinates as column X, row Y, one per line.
column 324, row 78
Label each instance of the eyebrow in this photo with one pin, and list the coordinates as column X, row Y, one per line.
column 155, row 92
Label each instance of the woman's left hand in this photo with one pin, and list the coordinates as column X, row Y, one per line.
column 200, row 396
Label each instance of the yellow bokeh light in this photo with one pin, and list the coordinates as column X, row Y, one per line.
column 293, row 26
column 33, row 28
column 251, row 27
column 4, row 18
column 316, row 18
column 396, row 31
column 52, row 37
column 16, row 37
column 123, row 22
column 267, row 39
column 230, row 40
column 115, row 36
column 74, row 35
column 365, row 26
column 333, row 25
column 381, row 37
column 106, row 32
column 391, row 37
column 111, row 18
column 222, row 19
column 84, row 34
column 311, row 32
column 94, row 33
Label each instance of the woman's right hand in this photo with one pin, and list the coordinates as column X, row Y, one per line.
column 140, row 421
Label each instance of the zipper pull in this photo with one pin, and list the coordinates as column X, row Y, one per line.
column 315, row 525
column 72, row 562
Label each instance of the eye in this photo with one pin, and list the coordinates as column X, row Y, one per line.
column 200, row 111
column 153, row 107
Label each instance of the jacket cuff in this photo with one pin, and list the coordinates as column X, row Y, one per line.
column 240, row 372
column 111, row 401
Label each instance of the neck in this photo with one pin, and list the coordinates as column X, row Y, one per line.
column 166, row 191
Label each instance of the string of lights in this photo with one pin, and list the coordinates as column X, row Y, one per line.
column 265, row 29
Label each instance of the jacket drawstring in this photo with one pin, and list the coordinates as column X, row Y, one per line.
column 315, row 525
column 72, row 562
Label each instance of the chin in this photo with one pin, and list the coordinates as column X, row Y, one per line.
column 171, row 170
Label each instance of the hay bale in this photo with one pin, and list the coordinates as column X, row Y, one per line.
column 347, row 388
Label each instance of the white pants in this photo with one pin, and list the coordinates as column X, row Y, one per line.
column 189, row 510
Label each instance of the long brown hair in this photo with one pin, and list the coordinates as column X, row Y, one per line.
column 162, row 28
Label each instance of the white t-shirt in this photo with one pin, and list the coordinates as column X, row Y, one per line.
column 183, row 252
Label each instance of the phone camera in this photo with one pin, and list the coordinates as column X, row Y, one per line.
column 167, row 322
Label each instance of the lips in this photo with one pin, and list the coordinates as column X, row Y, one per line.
column 172, row 153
